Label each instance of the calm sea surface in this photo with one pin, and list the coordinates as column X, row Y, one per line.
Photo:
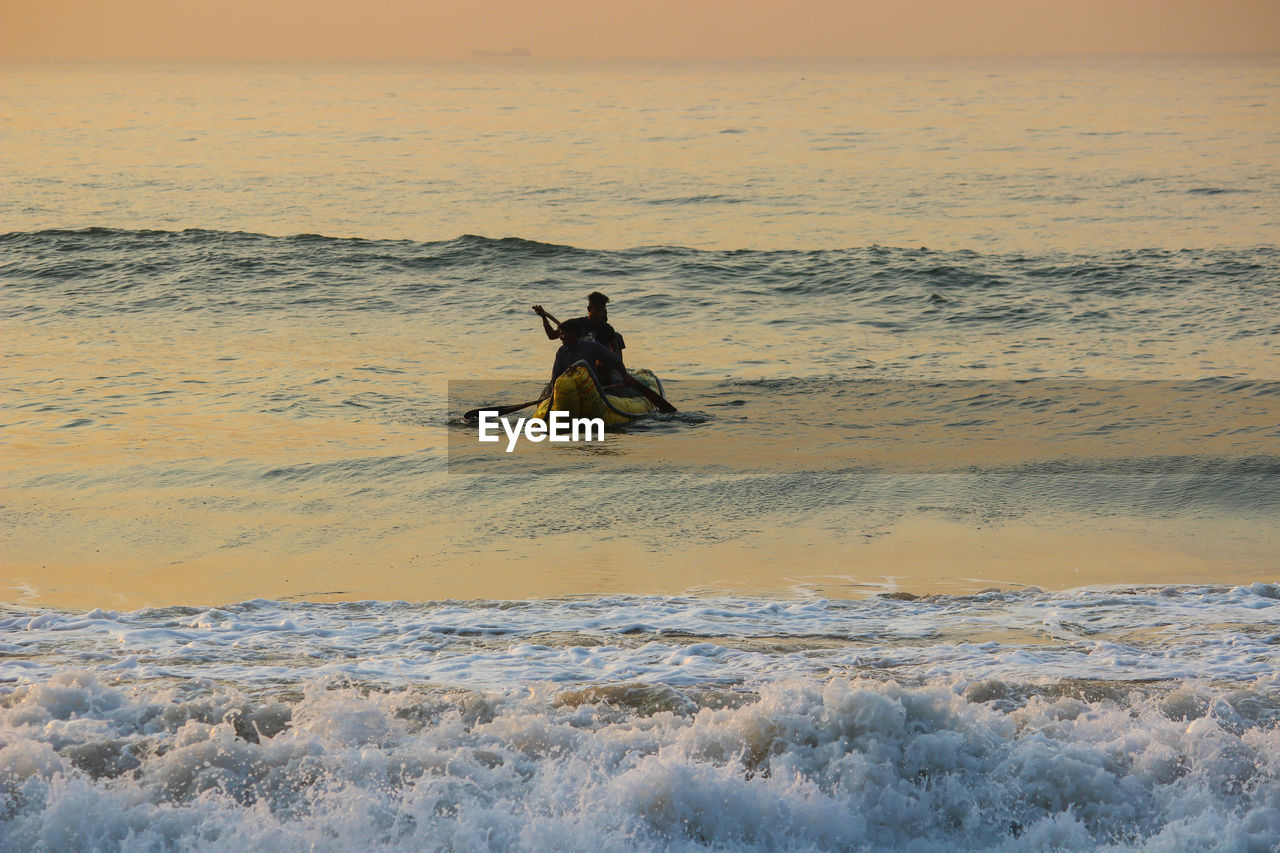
column 965, row 535
column 996, row 156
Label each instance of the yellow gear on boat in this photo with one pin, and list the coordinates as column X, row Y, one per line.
column 577, row 393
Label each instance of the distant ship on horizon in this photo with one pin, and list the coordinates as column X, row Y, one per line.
column 514, row 53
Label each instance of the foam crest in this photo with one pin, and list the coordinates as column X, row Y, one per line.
column 812, row 764
column 1223, row 633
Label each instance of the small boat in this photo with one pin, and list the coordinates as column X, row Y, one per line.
column 578, row 392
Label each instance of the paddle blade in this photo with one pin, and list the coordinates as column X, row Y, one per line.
column 657, row 399
column 474, row 414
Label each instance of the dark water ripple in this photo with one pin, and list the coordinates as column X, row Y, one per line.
column 98, row 271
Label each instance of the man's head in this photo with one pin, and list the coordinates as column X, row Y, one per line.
column 571, row 332
column 596, row 302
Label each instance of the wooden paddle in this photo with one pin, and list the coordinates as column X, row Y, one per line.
column 501, row 410
column 653, row 397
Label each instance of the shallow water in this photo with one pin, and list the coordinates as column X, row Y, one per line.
column 200, row 417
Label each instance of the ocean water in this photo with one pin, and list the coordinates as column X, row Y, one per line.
column 984, row 155
column 1116, row 719
column 964, row 537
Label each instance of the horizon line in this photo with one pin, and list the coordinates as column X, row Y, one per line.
column 534, row 59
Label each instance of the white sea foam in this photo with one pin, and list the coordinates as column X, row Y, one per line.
column 1101, row 719
column 1220, row 633
column 802, row 765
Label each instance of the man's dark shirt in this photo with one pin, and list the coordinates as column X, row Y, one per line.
column 586, row 350
column 601, row 333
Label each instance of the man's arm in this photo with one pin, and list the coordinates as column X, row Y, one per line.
column 547, row 320
column 601, row 353
column 557, row 368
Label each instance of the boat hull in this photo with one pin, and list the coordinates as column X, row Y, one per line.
column 577, row 392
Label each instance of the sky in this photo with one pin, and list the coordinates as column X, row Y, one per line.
column 411, row 30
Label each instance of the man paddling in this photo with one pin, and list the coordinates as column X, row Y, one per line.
column 596, row 322
column 576, row 348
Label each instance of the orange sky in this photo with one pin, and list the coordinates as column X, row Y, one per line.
column 401, row 30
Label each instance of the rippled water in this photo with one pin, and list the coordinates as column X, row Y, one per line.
column 970, row 546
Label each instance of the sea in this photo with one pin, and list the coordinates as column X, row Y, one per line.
column 965, row 534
